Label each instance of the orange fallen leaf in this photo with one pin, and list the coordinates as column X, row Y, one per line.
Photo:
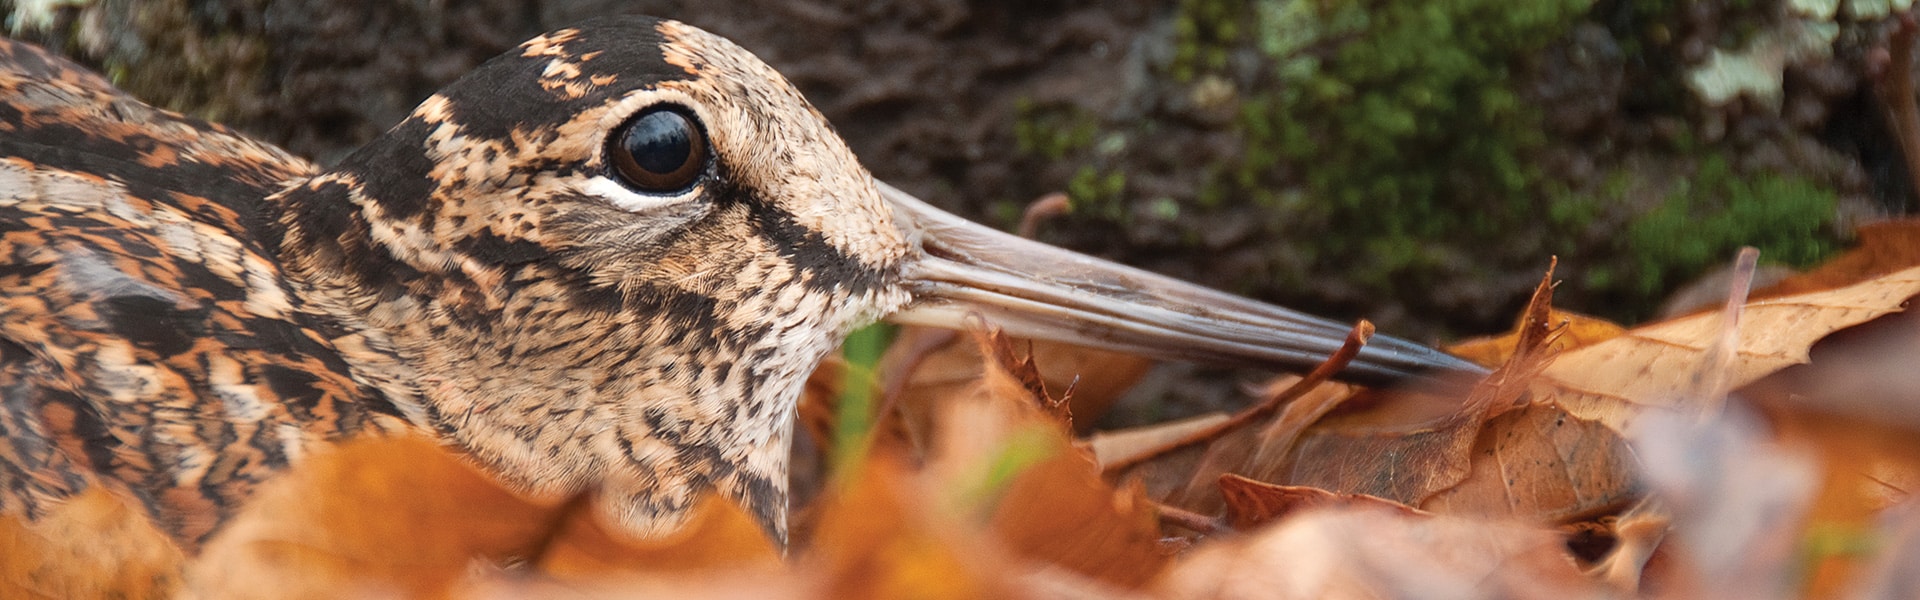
column 95, row 545
column 1577, row 330
column 1056, row 509
column 402, row 515
column 1890, row 574
column 718, row 535
column 1853, row 406
column 1883, row 248
column 1259, row 454
column 925, row 366
column 874, row 538
column 393, row 515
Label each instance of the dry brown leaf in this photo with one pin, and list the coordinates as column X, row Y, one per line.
column 402, row 515
column 1125, row 445
column 393, row 515
column 876, row 538
column 1486, row 457
column 925, row 366
column 95, row 545
column 1290, row 404
column 1577, row 331
column 1057, row 509
column 1613, row 381
column 1061, row 512
column 1883, row 248
column 1257, row 454
column 1252, row 503
column 718, row 535
column 1011, row 375
column 1353, row 552
column 1540, row 463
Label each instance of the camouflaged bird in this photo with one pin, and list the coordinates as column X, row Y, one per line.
column 607, row 258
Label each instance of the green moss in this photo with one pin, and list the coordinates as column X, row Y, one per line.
column 1050, row 132
column 1711, row 215
column 1098, row 192
column 1399, row 119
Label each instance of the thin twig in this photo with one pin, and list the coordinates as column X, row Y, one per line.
column 1711, row 381
column 1894, row 89
column 1041, row 209
column 1173, row 515
column 1356, row 339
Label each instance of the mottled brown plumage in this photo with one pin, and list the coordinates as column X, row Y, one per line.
column 188, row 311
column 185, row 312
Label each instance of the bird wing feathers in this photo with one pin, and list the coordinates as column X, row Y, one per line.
column 148, row 340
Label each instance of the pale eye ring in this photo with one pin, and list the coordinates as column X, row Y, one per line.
column 662, row 150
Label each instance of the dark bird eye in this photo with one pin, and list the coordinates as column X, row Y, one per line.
column 662, row 150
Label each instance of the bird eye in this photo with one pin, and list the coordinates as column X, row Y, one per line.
column 662, row 150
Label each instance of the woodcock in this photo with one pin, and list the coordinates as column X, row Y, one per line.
column 608, row 258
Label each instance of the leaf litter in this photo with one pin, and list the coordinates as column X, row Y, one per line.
column 1764, row 450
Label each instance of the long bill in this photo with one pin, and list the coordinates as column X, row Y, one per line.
column 1039, row 291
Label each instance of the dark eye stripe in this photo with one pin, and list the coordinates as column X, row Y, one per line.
column 662, row 150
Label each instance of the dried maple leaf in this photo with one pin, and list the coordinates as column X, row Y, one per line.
column 1615, row 380
column 1540, row 463
column 1001, row 489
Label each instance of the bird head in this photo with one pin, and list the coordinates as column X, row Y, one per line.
column 610, row 257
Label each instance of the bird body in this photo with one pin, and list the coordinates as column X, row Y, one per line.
column 149, row 340
column 204, row 308
column 606, row 259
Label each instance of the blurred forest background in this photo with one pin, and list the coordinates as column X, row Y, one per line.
column 1414, row 162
